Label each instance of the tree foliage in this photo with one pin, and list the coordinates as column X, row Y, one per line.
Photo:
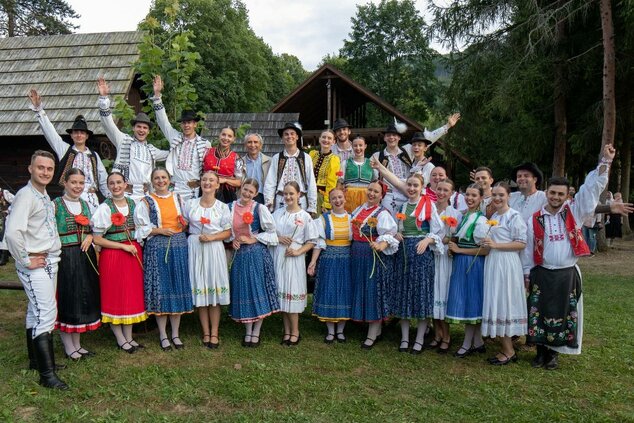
column 35, row 17
column 389, row 53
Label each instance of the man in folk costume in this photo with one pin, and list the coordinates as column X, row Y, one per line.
column 256, row 164
column 292, row 164
column 135, row 156
column 33, row 241
column 528, row 200
column 343, row 145
column 400, row 160
column 555, row 302
column 79, row 155
column 187, row 148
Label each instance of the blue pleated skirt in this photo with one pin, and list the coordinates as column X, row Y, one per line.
column 332, row 298
column 167, row 287
column 413, row 296
column 252, row 284
column 464, row 301
column 370, row 296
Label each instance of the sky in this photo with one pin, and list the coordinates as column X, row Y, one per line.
column 308, row 29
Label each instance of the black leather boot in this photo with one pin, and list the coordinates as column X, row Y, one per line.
column 43, row 347
column 29, row 347
column 540, row 358
column 4, row 257
column 551, row 362
column 57, row 366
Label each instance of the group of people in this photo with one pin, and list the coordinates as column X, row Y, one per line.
column 388, row 237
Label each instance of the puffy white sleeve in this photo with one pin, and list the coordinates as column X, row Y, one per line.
column 518, row 228
column 50, row 133
column 101, row 220
column 587, row 197
column 269, row 236
column 436, row 134
column 436, row 231
column 528, row 261
column 270, row 184
column 481, row 230
column 105, row 115
column 225, row 216
column 311, row 234
column 142, row 220
column 163, row 122
column 320, row 224
column 387, row 228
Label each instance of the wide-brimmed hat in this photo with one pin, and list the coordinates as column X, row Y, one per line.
column 340, row 123
column 291, row 125
column 391, row 129
column 80, row 125
column 142, row 118
column 532, row 168
column 187, row 115
column 420, row 137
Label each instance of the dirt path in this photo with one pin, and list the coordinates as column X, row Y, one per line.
column 618, row 261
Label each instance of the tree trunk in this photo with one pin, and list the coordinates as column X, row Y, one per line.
column 560, row 88
column 626, row 162
column 10, row 11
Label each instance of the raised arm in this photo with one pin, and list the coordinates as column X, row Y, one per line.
column 105, row 114
column 436, row 134
column 162, row 120
column 51, row 135
column 587, row 197
column 389, row 176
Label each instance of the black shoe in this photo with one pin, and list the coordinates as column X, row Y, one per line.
column 137, row 345
column 416, row 351
column 540, row 358
column 168, row 347
column 29, row 347
column 497, row 362
column 256, row 343
column 480, row 350
column 246, row 343
column 341, row 338
column 463, row 354
column 329, row 338
column 206, row 343
column 285, row 341
column 130, row 350
column 70, row 356
column 366, row 346
column 551, row 362
column 403, row 348
column 181, row 345
column 42, row 346
column 211, row 346
column 442, row 350
column 296, row 341
column 86, row 353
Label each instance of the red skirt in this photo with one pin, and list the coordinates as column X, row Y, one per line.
column 121, row 280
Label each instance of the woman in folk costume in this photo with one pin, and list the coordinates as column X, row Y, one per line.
column 209, row 225
column 297, row 235
column 168, row 291
column 373, row 231
column 252, row 274
column 464, row 301
column 227, row 164
column 332, row 299
column 504, row 312
column 442, row 261
column 357, row 175
column 120, row 269
column 420, row 231
column 78, row 305
column 326, row 168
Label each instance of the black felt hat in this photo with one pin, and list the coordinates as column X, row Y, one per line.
column 532, row 168
column 340, row 123
column 187, row 115
column 420, row 137
column 391, row 129
column 291, row 125
column 80, row 125
column 142, row 118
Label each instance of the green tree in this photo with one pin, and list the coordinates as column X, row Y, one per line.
column 35, row 17
column 388, row 52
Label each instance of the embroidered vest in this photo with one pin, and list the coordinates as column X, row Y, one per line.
column 337, row 229
column 355, row 173
column 66, row 163
column 69, row 231
column 468, row 241
column 118, row 233
column 579, row 246
column 281, row 163
column 403, row 156
column 255, row 210
column 226, row 166
column 362, row 231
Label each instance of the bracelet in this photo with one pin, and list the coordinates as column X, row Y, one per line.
column 605, row 161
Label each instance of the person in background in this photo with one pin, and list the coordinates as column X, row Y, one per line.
column 357, row 175
column 326, row 168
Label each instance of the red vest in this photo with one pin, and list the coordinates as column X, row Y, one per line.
column 223, row 167
column 578, row 244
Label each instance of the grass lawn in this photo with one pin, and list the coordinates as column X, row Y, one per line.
column 315, row 382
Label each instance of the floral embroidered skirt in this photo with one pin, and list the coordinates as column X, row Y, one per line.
column 413, row 296
column 208, row 272
column 253, row 288
column 552, row 306
column 370, row 295
column 167, row 286
column 290, row 274
column 332, row 299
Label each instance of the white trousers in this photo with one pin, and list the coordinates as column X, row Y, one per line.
column 40, row 286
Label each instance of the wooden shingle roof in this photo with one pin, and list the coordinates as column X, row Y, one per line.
column 64, row 70
column 265, row 124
